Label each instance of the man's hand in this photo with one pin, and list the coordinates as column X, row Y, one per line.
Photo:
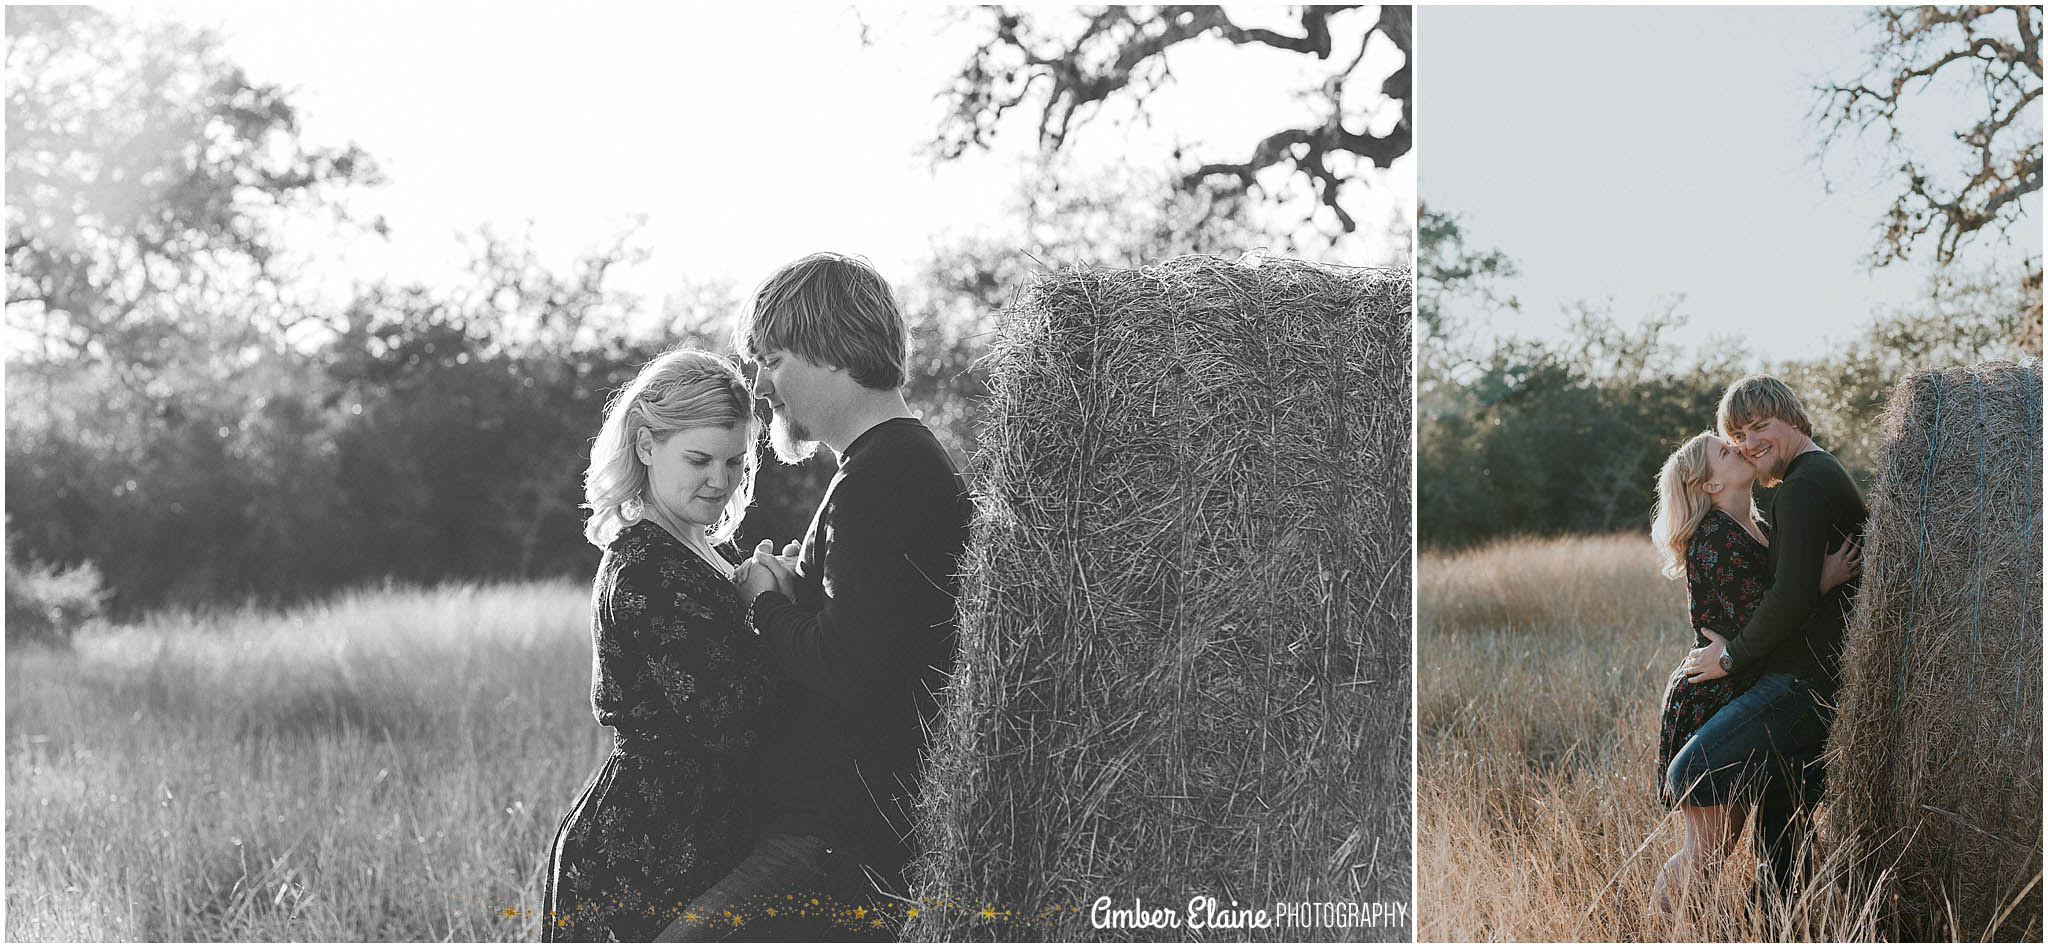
column 1840, row 566
column 792, row 554
column 766, row 571
column 1704, row 664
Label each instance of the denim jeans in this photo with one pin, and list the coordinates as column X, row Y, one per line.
column 1763, row 747
column 789, row 888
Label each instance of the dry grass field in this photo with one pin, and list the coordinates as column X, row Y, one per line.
column 387, row 766
column 1541, row 670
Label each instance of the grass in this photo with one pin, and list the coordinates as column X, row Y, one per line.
column 1540, row 678
column 386, row 766
column 390, row 765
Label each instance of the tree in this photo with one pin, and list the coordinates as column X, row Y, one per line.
column 1991, row 53
column 1453, row 283
column 146, row 177
column 1066, row 71
column 1973, row 320
column 1562, row 437
column 1995, row 51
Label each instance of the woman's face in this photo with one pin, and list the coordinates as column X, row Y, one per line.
column 1726, row 464
column 691, row 473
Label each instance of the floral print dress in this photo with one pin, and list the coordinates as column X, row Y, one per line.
column 1726, row 573
column 680, row 680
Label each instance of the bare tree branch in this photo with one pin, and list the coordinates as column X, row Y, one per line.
column 1996, row 49
column 1122, row 52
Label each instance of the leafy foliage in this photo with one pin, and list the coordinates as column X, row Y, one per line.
column 147, row 178
column 1558, row 437
column 191, row 452
column 1550, row 438
column 45, row 605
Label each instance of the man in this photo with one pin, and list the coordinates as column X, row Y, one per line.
column 858, row 620
column 1768, row 741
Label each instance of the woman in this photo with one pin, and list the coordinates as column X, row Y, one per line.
column 676, row 673
column 1707, row 531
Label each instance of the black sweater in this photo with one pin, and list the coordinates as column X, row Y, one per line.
column 865, row 647
column 1796, row 629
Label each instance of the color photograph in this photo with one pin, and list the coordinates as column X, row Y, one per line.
column 1728, row 596
column 669, row 472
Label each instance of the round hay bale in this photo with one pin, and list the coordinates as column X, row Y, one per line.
column 1935, row 757
column 1184, row 621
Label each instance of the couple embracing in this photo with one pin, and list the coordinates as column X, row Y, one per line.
column 1746, row 714
column 769, row 712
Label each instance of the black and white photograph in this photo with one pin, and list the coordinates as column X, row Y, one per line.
column 676, row 472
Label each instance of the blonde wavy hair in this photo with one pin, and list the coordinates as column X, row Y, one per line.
column 1682, row 502
column 677, row 390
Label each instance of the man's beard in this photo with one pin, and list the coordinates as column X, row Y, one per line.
column 791, row 441
column 1772, row 470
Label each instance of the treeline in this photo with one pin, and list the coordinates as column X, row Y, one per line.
column 1520, row 437
column 431, row 440
column 191, row 418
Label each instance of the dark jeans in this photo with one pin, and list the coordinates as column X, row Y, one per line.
column 1764, row 748
column 789, row 888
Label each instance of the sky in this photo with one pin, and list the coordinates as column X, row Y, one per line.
column 743, row 138
column 1641, row 153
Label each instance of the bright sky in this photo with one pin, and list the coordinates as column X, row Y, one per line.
column 1641, row 152
column 745, row 136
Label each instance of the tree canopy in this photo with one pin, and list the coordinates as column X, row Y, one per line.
column 147, row 177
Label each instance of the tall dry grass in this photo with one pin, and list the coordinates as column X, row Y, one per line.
column 1540, row 676
column 387, row 766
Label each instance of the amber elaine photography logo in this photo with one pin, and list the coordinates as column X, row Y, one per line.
column 1205, row 912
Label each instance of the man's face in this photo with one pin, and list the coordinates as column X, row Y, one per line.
column 1769, row 443
column 795, row 389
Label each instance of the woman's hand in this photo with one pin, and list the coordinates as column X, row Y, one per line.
column 765, row 571
column 1840, row 566
column 1704, row 664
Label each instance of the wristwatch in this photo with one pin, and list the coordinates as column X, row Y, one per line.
column 1727, row 662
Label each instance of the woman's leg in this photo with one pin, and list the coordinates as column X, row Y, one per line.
column 1715, row 829
column 1710, row 833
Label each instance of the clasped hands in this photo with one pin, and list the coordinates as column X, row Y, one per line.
column 767, row 570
